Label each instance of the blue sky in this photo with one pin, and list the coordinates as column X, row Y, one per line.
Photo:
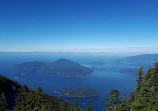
column 78, row 25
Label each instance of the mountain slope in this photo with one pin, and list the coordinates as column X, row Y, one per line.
column 145, row 59
column 12, row 90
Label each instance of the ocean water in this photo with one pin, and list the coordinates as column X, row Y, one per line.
column 103, row 79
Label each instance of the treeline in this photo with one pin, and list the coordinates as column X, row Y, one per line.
column 143, row 98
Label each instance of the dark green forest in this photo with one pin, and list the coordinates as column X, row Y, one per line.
column 21, row 98
column 15, row 97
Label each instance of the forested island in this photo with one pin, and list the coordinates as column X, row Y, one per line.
column 60, row 67
column 78, row 92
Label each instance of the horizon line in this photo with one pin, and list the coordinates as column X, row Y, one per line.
column 92, row 50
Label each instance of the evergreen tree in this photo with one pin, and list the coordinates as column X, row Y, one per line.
column 39, row 98
column 155, row 77
column 146, row 98
column 3, row 102
column 89, row 107
column 136, row 92
column 123, row 106
column 76, row 105
column 72, row 108
column 131, row 99
column 139, row 80
column 112, row 104
column 25, row 100
column 21, row 101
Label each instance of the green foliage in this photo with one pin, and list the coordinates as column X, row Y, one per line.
column 39, row 98
column 123, row 105
column 155, row 77
column 139, row 81
column 143, row 98
column 9, row 88
column 76, row 106
column 29, row 100
column 24, row 101
column 112, row 104
column 89, row 108
column 3, row 102
column 146, row 98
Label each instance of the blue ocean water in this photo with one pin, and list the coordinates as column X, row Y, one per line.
column 103, row 79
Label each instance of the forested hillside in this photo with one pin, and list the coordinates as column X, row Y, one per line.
column 143, row 98
column 21, row 98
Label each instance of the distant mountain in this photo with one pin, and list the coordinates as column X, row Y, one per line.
column 144, row 60
column 78, row 92
column 140, row 60
column 61, row 67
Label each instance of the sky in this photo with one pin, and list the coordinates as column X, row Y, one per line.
column 79, row 26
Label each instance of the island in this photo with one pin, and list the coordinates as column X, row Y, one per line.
column 78, row 92
column 60, row 67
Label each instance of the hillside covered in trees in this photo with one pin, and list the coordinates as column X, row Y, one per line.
column 15, row 97
column 143, row 98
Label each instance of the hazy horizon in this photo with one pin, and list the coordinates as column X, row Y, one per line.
column 119, row 51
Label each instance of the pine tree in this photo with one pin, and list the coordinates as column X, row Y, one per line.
column 133, row 94
column 145, row 98
column 131, row 99
column 112, row 104
column 76, row 105
column 62, row 107
column 139, row 80
column 155, row 77
column 89, row 107
column 123, row 106
column 3, row 102
column 136, row 92
column 72, row 108
column 23, row 101
column 39, row 98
